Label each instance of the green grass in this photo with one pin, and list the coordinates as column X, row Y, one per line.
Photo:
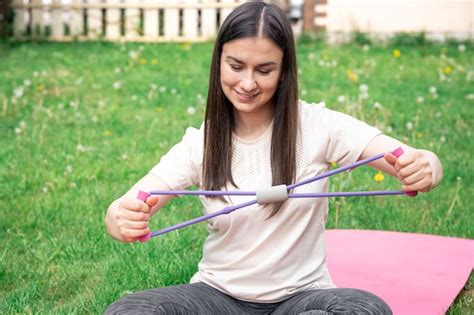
column 71, row 143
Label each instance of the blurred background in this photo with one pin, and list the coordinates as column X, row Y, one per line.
column 93, row 93
column 193, row 20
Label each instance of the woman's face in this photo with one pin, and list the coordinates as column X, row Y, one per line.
column 250, row 70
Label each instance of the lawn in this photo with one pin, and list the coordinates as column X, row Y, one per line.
column 81, row 122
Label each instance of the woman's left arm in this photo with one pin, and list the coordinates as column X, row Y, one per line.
column 418, row 170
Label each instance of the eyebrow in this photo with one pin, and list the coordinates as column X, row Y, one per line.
column 270, row 63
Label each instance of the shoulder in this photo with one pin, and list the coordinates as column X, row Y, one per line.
column 313, row 115
column 309, row 108
column 319, row 115
column 194, row 136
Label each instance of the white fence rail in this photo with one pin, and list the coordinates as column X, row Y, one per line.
column 134, row 20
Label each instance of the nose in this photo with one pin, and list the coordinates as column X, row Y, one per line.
column 248, row 83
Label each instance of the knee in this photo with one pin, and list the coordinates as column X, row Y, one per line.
column 145, row 303
column 355, row 301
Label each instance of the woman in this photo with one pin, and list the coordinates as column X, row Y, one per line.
column 261, row 259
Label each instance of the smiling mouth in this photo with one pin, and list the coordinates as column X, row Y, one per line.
column 246, row 95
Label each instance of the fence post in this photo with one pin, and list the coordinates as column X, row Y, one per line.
column 94, row 22
column 171, row 23
column 314, row 15
column 20, row 23
column 151, row 22
column 37, row 21
column 225, row 12
column 5, row 12
column 57, row 27
column 112, row 21
column 132, row 22
column 190, row 21
column 76, row 24
column 208, row 21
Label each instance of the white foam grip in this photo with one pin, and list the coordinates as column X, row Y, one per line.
column 272, row 194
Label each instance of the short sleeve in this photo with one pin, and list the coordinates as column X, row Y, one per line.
column 334, row 136
column 348, row 137
column 181, row 166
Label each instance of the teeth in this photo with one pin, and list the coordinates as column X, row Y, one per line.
column 246, row 95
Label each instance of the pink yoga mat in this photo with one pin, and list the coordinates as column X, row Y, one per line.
column 413, row 273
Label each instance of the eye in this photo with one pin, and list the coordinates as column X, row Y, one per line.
column 264, row 71
column 236, row 67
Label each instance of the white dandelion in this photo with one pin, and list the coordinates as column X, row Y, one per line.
column 133, row 55
column 81, row 148
column 191, row 110
column 18, row 91
column 117, row 85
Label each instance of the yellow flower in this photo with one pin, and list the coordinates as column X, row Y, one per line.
column 379, row 177
column 143, row 61
column 333, row 164
column 107, row 133
column 396, row 53
column 352, row 76
column 447, row 69
column 154, row 61
column 186, row 46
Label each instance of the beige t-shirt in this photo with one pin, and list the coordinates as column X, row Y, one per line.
column 245, row 255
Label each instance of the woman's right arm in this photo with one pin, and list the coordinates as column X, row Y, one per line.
column 127, row 218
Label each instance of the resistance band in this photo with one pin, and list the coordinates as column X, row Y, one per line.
column 271, row 194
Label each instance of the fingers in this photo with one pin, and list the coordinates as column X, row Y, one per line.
column 414, row 171
column 133, row 216
column 132, row 235
column 390, row 158
column 418, row 181
column 134, row 205
column 152, row 201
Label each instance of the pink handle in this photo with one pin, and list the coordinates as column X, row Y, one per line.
column 142, row 195
column 398, row 152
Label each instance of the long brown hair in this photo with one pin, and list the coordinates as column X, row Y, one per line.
column 252, row 19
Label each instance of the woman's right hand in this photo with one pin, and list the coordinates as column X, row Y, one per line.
column 129, row 220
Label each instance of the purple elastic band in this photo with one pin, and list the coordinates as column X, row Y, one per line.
column 398, row 152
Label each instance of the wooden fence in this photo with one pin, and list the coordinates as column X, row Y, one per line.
column 134, row 20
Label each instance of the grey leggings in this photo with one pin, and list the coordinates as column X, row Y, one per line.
column 199, row 298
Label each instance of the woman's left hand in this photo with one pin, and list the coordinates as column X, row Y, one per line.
column 414, row 170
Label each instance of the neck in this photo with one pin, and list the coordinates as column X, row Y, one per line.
column 250, row 126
